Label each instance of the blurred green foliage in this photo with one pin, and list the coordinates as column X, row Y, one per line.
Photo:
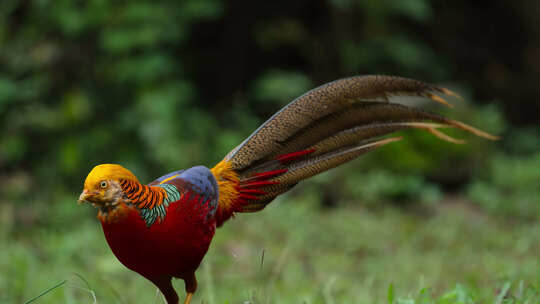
column 162, row 86
column 510, row 187
column 169, row 84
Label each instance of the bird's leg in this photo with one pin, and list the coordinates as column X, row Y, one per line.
column 191, row 286
column 165, row 286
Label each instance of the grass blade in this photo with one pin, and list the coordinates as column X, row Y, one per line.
column 391, row 295
column 503, row 293
column 46, row 292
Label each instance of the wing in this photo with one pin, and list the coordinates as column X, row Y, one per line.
column 196, row 184
column 198, row 181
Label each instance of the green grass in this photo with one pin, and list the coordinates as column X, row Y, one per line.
column 448, row 253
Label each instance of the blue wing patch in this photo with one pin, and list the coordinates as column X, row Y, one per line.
column 202, row 179
column 204, row 183
column 199, row 179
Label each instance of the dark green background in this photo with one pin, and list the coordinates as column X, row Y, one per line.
column 162, row 85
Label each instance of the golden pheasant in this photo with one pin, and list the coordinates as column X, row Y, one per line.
column 163, row 230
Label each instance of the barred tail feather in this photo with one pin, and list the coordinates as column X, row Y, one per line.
column 322, row 129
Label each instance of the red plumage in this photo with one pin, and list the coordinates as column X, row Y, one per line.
column 174, row 248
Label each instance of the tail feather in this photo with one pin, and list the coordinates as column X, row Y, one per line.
column 323, row 162
column 322, row 101
column 322, row 129
column 317, row 164
column 359, row 133
column 349, row 126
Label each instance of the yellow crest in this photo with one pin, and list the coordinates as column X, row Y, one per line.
column 107, row 172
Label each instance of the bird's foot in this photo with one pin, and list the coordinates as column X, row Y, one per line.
column 188, row 298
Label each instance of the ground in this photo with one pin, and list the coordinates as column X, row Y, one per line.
column 295, row 252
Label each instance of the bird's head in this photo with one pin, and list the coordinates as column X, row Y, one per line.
column 102, row 188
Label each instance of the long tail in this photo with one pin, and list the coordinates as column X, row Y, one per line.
column 322, row 129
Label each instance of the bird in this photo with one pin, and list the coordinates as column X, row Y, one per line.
column 162, row 230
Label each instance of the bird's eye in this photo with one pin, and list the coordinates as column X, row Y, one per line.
column 103, row 184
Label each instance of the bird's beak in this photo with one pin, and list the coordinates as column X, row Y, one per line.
column 83, row 197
